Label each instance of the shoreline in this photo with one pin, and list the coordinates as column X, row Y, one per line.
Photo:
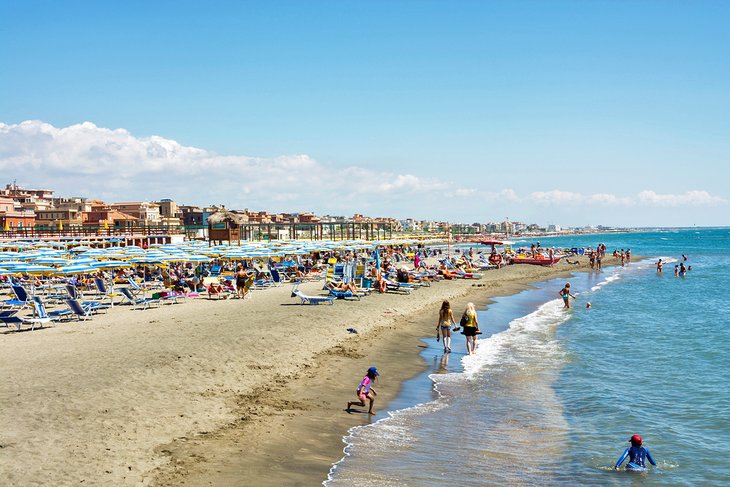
column 297, row 445
column 178, row 395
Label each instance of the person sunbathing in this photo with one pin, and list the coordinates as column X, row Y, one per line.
column 215, row 288
column 444, row 271
column 377, row 276
column 342, row 287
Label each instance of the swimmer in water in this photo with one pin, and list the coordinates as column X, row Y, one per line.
column 636, row 454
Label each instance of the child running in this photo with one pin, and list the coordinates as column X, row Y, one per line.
column 366, row 391
column 636, row 454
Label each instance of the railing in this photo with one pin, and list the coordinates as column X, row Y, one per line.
column 247, row 231
column 54, row 232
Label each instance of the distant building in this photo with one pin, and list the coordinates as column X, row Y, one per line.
column 170, row 214
column 410, row 225
column 60, row 218
column 13, row 215
column 194, row 216
column 73, row 203
column 146, row 213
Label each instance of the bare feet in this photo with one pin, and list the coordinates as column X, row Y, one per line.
column 372, row 413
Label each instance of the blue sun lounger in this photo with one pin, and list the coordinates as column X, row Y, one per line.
column 141, row 303
column 21, row 298
column 40, row 311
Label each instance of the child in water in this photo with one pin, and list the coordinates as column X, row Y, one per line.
column 636, row 454
column 566, row 295
column 366, row 391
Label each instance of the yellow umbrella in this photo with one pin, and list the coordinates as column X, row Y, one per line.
column 60, row 225
column 106, row 225
column 7, row 225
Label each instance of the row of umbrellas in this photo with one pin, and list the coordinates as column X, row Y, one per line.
column 54, row 258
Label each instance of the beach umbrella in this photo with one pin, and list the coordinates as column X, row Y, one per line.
column 110, row 264
column 198, row 258
column 76, row 269
column 31, row 269
column 50, row 261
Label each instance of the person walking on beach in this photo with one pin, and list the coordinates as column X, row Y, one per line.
column 636, row 454
column 565, row 294
column 470, row 329
column 366, row 391
column 443, row 327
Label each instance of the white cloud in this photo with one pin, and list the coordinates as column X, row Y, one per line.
column 91, row 161
column 609, row 199
column 557, row 197
column 644, row 198
column 694, row 198
column 114, row 165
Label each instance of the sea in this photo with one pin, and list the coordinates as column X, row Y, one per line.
column 552, row 395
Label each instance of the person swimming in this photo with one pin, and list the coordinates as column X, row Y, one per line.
column 636, row 454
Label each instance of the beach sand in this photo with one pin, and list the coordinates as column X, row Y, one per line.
column 231, row 392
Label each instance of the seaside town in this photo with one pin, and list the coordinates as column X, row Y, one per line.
column 29, row 213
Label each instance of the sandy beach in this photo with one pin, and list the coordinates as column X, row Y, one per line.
column 230, row 392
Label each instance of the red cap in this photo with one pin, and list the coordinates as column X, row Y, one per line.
column 635, row 440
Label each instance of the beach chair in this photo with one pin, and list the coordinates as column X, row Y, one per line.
column 82, row 312
column 339, row 294
column 397, row 287
column 171, row 296
column 276, row 278
column 5, row 317
column 103, row 291
column 215, row 270
column 141, row 303
column 56, row 315
column 224, row 293
column 306, row 299
column 95, row 306
column 17, row 321
column 22, row 298
column 135, row 288
column 263, row 283
column 9, row 318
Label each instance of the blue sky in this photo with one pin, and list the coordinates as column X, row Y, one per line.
column 601, row 112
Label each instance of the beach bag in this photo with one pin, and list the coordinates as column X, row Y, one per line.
column 464, row 320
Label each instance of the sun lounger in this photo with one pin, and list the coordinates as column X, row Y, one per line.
column 18, row 321
column 82, row 312
column 397, row 287
column 340, row 294
column 306, row 299
column 142, row 303
column 22, row 298
column 56, row 315
column 223, row 293
column 103, row 291
column 276, row 277
column 94, row 306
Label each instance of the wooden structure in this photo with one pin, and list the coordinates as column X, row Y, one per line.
column 225, row 225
